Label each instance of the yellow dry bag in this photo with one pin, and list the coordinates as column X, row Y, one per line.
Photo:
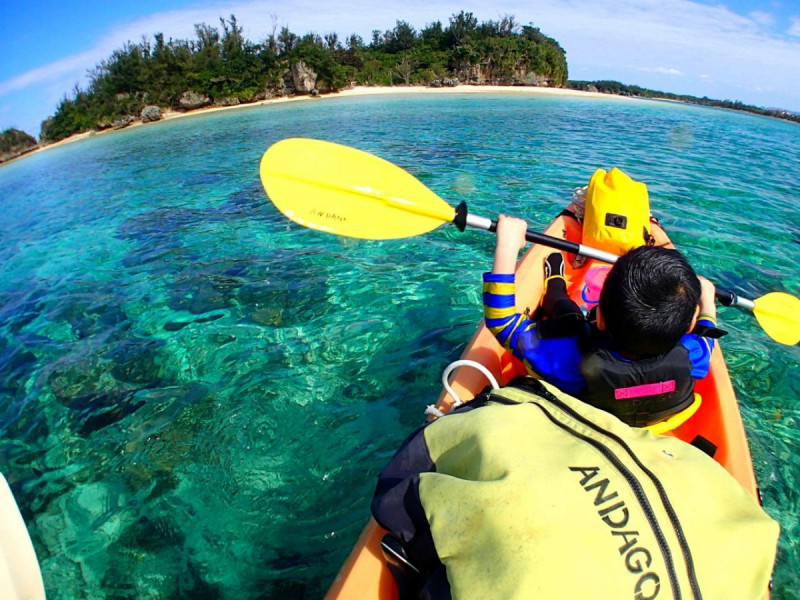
column 617, row 212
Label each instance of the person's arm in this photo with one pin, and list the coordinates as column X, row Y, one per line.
column 699, row 347
column 510, row 240
column 556, row 360
column 499, row 304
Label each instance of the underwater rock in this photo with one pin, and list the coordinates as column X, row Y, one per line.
column 163, row 441
column 356, row 390
column 269, row 316
column 100, row 391
column 160, row 224
column 97, row 411
column 246, row 202
column 156, row 234
column 199, row 294
column 90, row 315
column 136, row 361
column 152, row 534
column 178, row 325
column 167, row 425
column 130, row 563
column 17, row 309
column 130, row 364
column 280, row 304
column 70, row 379
column 15, row 364
column 220, row 339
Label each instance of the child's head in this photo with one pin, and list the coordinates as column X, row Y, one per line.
column 649, row 300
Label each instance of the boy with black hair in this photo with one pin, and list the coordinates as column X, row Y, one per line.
column 639, row 359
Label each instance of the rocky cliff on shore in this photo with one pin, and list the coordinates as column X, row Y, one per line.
column 14, row 143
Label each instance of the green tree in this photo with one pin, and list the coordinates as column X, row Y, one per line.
column 222, row 64
column 432, row 36
column 286, row 41
column 463, row 28
column 401, row 38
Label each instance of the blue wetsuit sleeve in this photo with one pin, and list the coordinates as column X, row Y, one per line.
column 500, row 313
column 556, row 360
column 700, row 349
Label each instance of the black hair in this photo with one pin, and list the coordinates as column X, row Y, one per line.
column 648, row 300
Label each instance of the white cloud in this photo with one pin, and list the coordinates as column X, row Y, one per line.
column 616, row 39
column 794, row 29
column 661, row 70
column 69, row 65
column 763, row 18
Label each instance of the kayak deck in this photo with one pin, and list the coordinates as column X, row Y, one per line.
column 718, row 419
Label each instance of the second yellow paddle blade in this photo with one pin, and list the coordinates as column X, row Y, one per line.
column 345, row 191
column 779, row 314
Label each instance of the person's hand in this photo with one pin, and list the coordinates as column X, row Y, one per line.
column 707, row 297
column 510, row 240
column 511, row 233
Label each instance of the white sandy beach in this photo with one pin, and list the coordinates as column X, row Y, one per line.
column 356, row 91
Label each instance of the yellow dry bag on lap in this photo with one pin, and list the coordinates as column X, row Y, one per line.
column 527, row 492
column 616, row 213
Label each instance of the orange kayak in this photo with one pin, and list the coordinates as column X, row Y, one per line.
column 364, row 574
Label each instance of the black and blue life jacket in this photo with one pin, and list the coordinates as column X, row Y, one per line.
column 642, row 391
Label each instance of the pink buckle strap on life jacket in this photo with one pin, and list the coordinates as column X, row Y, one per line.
column 641, row 391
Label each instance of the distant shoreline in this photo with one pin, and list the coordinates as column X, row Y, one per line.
column 346, row 93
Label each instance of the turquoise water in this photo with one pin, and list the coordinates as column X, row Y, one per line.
column 197, row 395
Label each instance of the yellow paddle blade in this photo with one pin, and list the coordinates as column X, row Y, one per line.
column 345, row 191
column 779, row 315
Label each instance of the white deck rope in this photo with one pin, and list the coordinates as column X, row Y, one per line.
column 432, row 410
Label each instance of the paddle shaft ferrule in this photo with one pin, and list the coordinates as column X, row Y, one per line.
column 729, row 298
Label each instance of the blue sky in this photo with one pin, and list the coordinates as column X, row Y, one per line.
column 744, row 50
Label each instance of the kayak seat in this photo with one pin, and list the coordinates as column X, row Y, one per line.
column 677, row 419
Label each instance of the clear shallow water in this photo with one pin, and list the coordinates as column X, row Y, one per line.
column 196, row 395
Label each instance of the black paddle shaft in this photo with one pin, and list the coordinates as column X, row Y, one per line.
column 464, row 219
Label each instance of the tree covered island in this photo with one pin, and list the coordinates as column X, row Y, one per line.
column 221, row 68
